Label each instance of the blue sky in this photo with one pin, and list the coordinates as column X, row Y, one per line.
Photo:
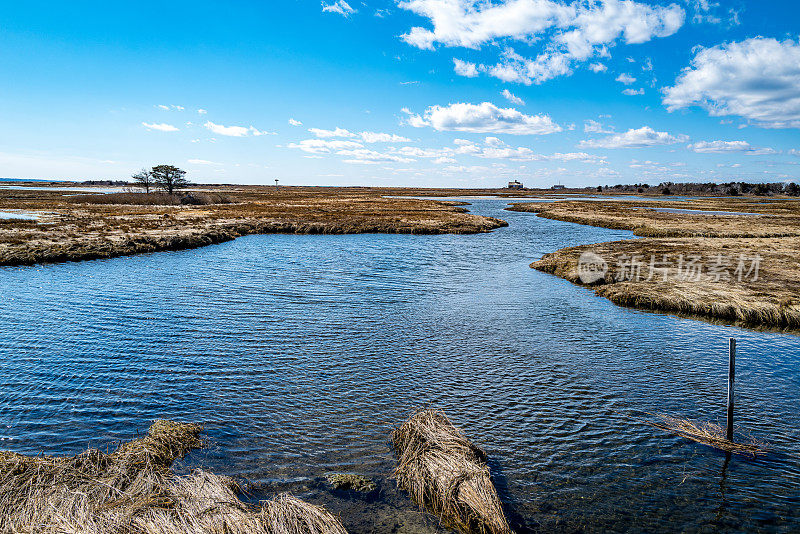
column 412, row 92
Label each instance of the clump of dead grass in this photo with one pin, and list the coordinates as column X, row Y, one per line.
column 447, row 475
column 133, row 491
column 708, row 433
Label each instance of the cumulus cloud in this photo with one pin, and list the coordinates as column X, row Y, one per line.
column 371, row 157
column 591, row 126
column 161, row 127
column 234, row 131
column 633, row 92
column 293, row 122
column 482, row 118
column 465, row 68
column 758, row 79
column 323, row 146
column 625, row 78
column 201, row 112
column 340, row 6
column 492, row 148
column 338, row 132
column 598, row 67
column 635, row 138
column 570, row 32
column 511, row 97
column 725, row 147
column 375, row 137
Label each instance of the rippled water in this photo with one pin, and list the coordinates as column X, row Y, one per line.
column 301, row 352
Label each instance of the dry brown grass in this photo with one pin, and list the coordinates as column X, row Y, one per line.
column 74, row 230
column 777, row 217
column 447, row 475
column 707, row 433
column 133, row 491
column 193, row 198
column 771, row 300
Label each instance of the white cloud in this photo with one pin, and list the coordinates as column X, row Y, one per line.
column 633, row 92
column 170, row 107
column 591, row 126
column 338, row 132
column 465, row 68
column 375, row 137
column 526, row 154
column 202, row 162
column 427, row 153
column 794, row 152
column 202, row 111
column 366, row 156
column 634, row 138
column 322, row 146
column 234, row 131
column 757, row 79
column 724, row 147
column 511, row 97
column 293, row 122
column 570, row 32
column 161, row 127
column 483, row 118
column 625, row 78
column 339, row 6
column 598, row 67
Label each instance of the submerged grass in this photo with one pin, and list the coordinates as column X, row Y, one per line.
column 447, row 475
column 348, row 481
column 133, row 491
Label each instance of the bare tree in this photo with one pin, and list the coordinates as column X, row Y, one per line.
column 144, row 178
column 169, row 177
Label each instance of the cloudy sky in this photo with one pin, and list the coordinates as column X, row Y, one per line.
column 403, row 92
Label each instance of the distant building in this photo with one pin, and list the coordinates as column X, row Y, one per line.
column 515, row 185
column 559, row 186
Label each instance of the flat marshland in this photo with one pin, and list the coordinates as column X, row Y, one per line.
column 89, row 226
column 749, row 249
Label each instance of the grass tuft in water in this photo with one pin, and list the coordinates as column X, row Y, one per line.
column 447, row 475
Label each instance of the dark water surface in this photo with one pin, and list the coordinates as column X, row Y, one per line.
column 300, row 353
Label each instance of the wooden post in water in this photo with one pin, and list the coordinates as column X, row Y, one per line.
column 731, row 375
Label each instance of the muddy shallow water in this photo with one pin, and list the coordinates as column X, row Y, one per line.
column 300, row 353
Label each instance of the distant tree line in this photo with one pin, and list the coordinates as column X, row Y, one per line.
column 166, row 177
column 729, row 189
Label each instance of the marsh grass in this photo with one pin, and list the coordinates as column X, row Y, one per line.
column 447, row 475
column 193, row 198
column 119, row 224
column 768, row 301
column 707, row 433
column 132, row 490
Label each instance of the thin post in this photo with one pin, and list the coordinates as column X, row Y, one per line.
column 731, row 375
